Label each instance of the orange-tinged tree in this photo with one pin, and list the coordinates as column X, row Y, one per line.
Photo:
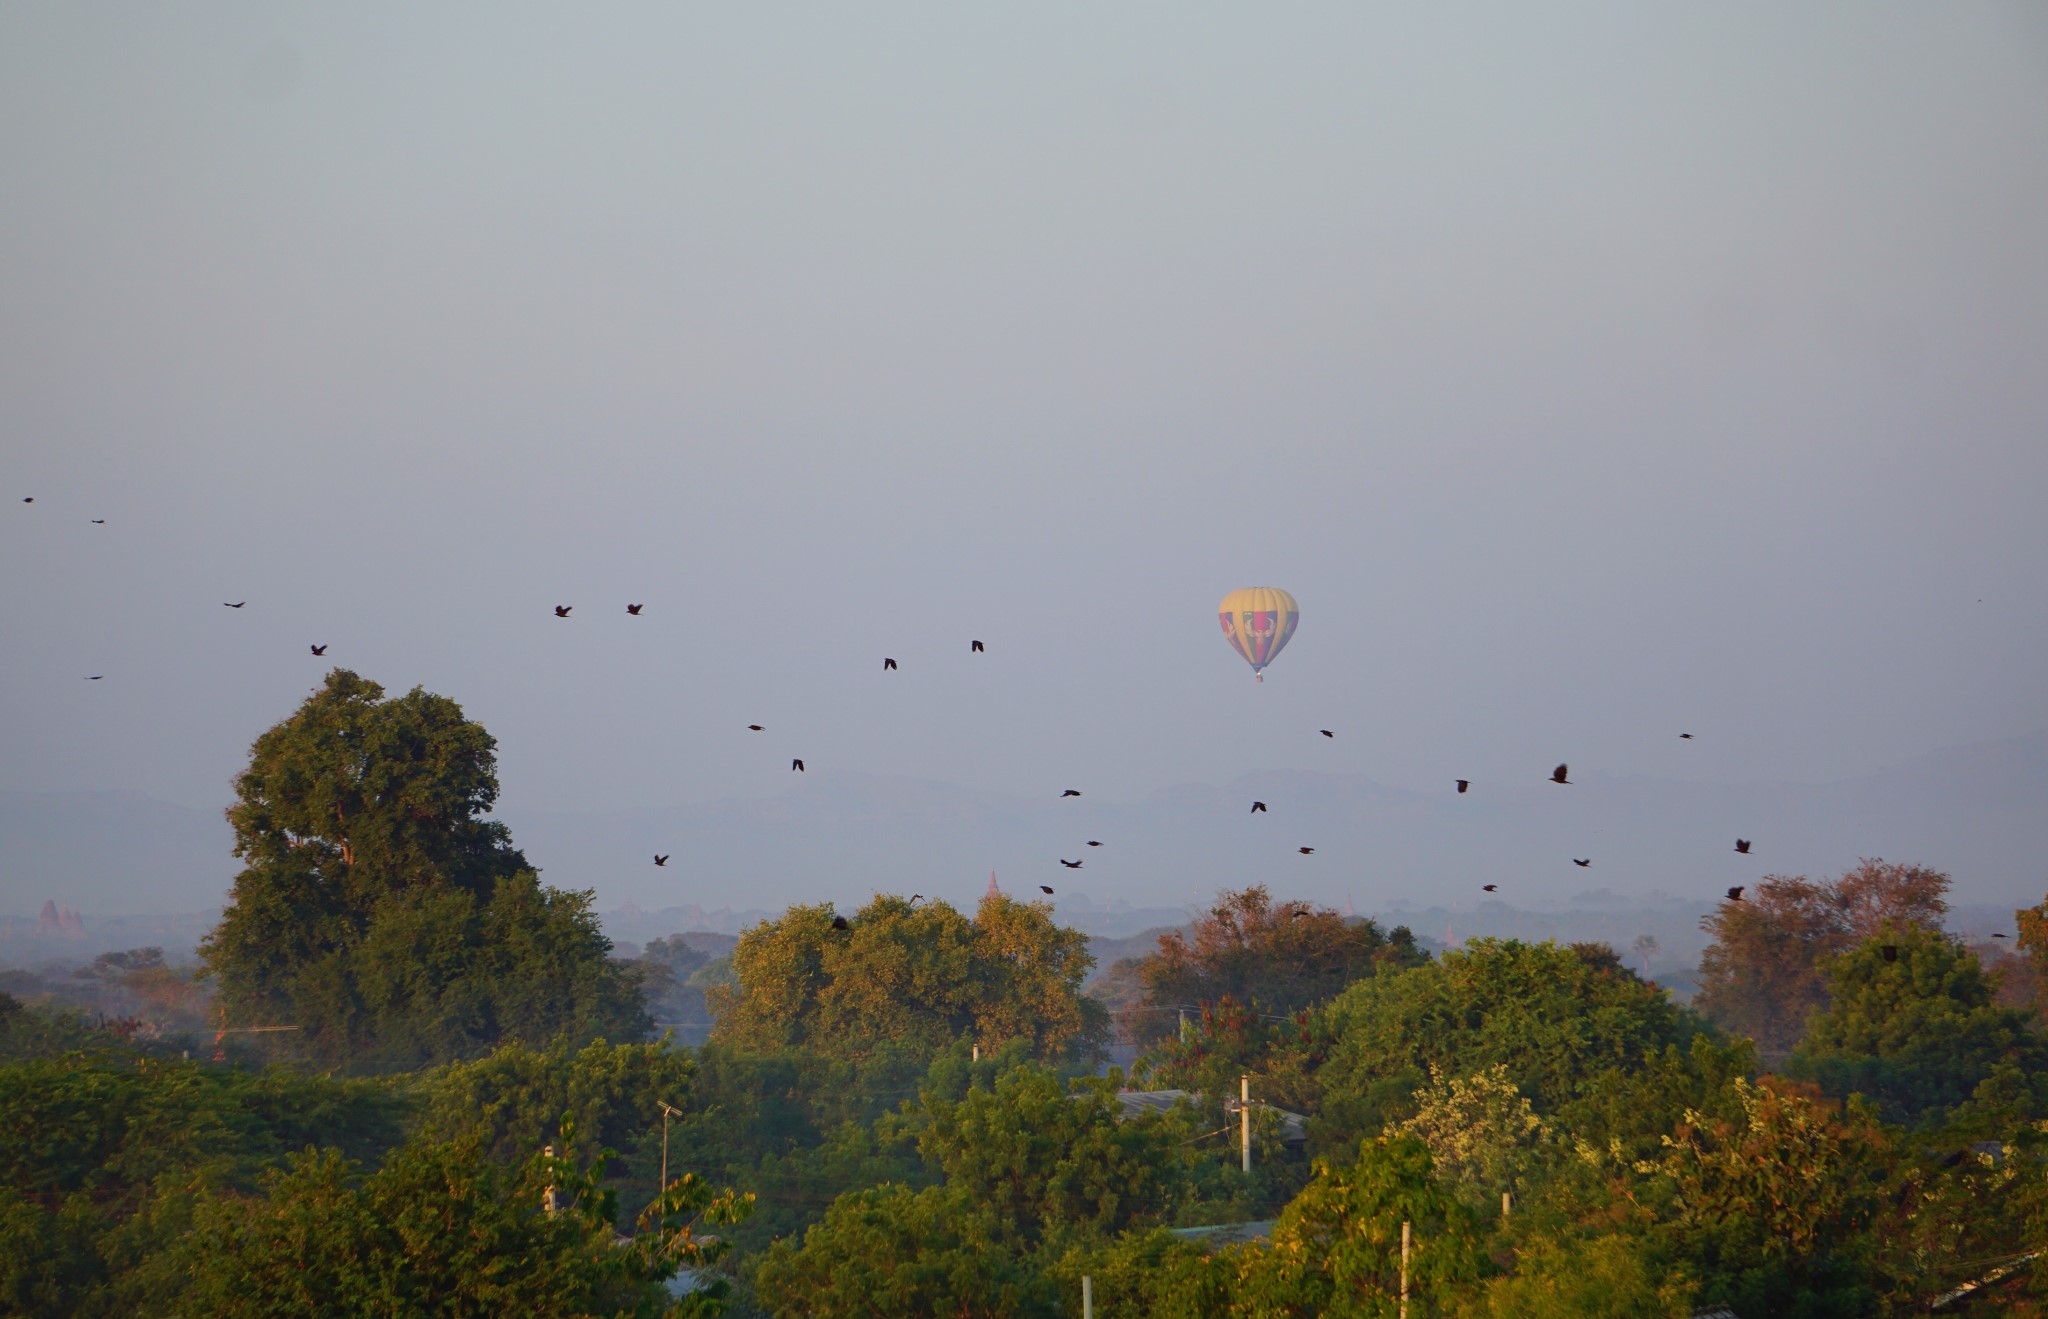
column 1763, row 974
column 2033, row 941
column 1277, row 958
column 1775, row 1208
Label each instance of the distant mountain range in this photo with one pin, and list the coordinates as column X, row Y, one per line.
column 1979, row 812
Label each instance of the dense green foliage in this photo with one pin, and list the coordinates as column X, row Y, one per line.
column 1056, row 1162
column 438, row 1229
column 1910, row 1023
column 892, row 1250
column 380, row 914
column 1559, row 1021
column 1336, row 1249
column 155, row 1184
column 909, row 1108
column 901, row 976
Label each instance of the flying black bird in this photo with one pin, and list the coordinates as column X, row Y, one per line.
column 1488, row 888
column 1557, row 775
column 661, row 858
column 1582, row 864
column 1891, row 952
column 1071, row 792
column 1045, row 888
column 99, row 522
column 1742, row 846
column 1326, row 732
column 1071, row 865
column 1464, row 784
column 634, row 610
column 1685, row 737
column 1258, row 806
column 839, row 922
column 796, row 767
column 1093, row 843
column 562, row 611
column 97, row 676
column 28, row 499
column 319, row 650
column 977, row 647
column 916, row 898
column 888, row 665
column 1735, row 894
column 753, row 728
column 1306, row 851
column 237, row 605
column 1998, row 936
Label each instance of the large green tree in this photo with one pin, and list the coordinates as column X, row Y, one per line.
column 1562, row 1022
column 908, row 977
column 1912, row 1024
column 1050, row 1159
column 381, row 913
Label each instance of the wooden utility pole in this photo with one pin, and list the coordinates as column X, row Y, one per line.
column 1244, row 1117
column 1087, row 1297
column 547, row 1196
column 666, row 1111
column 1404, row 1268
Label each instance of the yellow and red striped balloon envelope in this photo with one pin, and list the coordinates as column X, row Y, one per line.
column 1257, row 622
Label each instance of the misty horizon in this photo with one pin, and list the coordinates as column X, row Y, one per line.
column 1587, row 383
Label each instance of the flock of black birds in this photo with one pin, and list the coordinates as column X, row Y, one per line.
column 1559, row 775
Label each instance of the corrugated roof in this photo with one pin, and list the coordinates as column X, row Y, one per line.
column 1150, row 1101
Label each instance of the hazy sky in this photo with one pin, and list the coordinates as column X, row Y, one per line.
column 1588, row 375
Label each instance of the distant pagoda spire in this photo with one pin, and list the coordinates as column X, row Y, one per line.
column 992, row 889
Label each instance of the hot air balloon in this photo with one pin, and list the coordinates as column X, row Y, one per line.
column 1257, row 622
